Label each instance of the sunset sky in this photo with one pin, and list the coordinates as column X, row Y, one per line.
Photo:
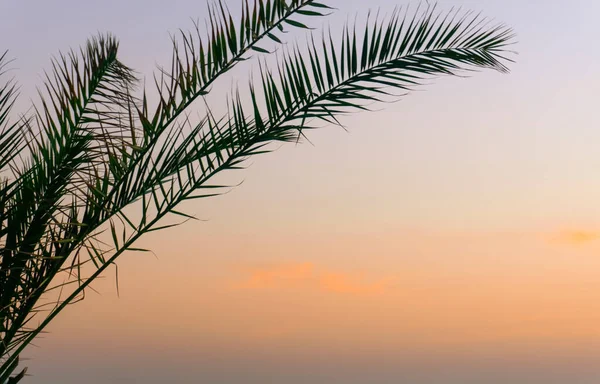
column 450, row 238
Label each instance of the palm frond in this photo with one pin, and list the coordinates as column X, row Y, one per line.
column 400, row 54
column 197, row 63
column 11, row 138
column 98, row 150
column 328, row 81
column 322, row 85
column 200, row 60
column 88, row 156
column 80, row 128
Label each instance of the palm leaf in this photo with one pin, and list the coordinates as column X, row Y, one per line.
column 99, row 150
column 77, row 117
column 401, row 54
column 11, row 138
column 88, row 151
column 326, row 82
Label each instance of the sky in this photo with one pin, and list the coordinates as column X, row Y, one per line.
column 451, row 237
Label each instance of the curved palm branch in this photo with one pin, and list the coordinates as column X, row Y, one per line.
column 76, row 131
column 89, row 142
column 194, row 69
column 11, row 139
column 323, row 84
column 398, row 55
column 100, row 150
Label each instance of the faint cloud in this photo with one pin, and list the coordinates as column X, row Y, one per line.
column 291, row 275
column 308, row 276
column 343, row 283
column 575, row 237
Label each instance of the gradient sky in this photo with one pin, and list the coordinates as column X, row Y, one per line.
column 453, row 237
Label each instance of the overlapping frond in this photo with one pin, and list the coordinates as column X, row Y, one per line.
column 95, row 150
column 199, row 60
column 12, row 140
column 319, row 85
column 79, row 128
column 334, row 78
